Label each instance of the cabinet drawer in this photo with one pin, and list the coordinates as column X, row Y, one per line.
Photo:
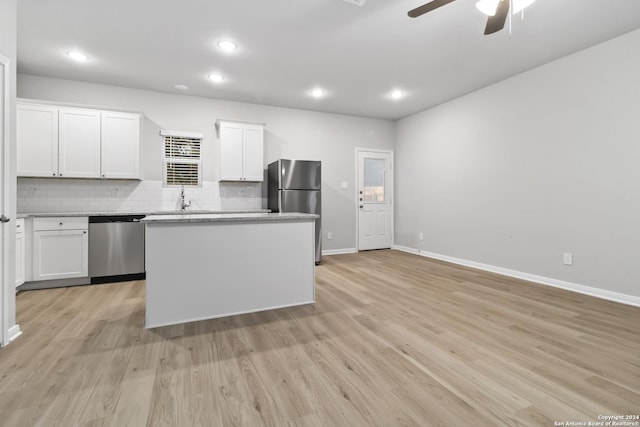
column 19, row 225
column 61, row 223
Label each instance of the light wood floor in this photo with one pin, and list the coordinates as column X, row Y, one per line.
column 394, row 340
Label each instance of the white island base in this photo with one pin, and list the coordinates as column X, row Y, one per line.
column 207, row 266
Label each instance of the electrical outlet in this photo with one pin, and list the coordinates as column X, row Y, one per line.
column 344, row 185
column 568, row 258
column 421, row 236
column 329, row 235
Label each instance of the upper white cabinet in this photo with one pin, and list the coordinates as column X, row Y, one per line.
column 77, row 143
column 241, row 151
column 37, row 140
column 120, row 145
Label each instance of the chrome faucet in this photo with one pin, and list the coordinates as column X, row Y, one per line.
column 183, row 205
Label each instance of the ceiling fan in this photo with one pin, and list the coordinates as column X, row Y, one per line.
column 497, row 10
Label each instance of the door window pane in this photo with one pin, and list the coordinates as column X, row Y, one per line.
column 373, row 190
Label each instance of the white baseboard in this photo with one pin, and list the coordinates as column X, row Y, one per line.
column 406, row 249
column 339, row 251
column 569, row 286
column 14, row 332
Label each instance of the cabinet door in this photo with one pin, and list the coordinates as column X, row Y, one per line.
column 79, row 143
column 37, row 140
column 252, row 153
column 120, row 145
column 230, row 151
column 20, row 255
column 60, row 254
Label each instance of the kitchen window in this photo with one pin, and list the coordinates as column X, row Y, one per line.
column 182, row 164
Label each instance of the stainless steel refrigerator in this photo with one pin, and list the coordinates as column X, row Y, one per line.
column 295, row 186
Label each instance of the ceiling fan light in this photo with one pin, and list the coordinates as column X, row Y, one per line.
column 519, row 5
column 488, row 7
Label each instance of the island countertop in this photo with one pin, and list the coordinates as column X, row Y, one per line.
column 228, row 217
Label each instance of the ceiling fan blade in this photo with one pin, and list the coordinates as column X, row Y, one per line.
column 421, row 10
column 496, row 23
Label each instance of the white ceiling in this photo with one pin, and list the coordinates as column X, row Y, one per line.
column 286, row 47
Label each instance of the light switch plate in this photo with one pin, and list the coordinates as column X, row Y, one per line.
column 344, row 185
column 568, row 258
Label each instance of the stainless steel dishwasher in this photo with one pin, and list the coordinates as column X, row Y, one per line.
column 116, row 248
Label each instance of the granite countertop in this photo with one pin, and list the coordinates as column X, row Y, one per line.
column 229, row 217
column 187, row 212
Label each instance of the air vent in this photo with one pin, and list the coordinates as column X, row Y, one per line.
column 356, row 2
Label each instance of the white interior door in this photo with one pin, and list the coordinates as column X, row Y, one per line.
column 375, row 199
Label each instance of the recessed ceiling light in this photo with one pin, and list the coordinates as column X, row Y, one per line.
column 216, row 78
column 77, row 56
column 317, row 92
column 396, row 94
column 227, row 45
column 182, row 87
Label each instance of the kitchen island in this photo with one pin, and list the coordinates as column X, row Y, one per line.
column 203, row 266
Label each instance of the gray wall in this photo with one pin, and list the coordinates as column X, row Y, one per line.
column 290, row 133
column 8, row 37
column 543, row 163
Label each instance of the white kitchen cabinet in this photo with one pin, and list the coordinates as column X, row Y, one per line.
column 79, row 143
column 252, row 152
column 37, row 134
column 121, row 146
column 20, row 252
column 60, row 248
column 241, row 151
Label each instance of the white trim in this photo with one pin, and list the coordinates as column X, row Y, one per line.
column 181, row 134
column 569, row 286
column 391, row 193
column 406, row 249
column 74, row 105
column 6, row 285
column 239, row 121
column 14, row 332
column 339, row 251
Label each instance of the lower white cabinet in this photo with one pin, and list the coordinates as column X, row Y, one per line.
column 20, row 252
column 60, row 248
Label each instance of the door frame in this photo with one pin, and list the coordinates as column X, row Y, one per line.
column 357, row 194
column 5, row 277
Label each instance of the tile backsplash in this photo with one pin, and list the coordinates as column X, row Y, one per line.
column 50, row 195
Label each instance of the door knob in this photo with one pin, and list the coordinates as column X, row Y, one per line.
column 4, row 219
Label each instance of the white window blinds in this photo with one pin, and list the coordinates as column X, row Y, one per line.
column 182, row 164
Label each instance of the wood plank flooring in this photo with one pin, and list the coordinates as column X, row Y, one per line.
column 393, row 340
